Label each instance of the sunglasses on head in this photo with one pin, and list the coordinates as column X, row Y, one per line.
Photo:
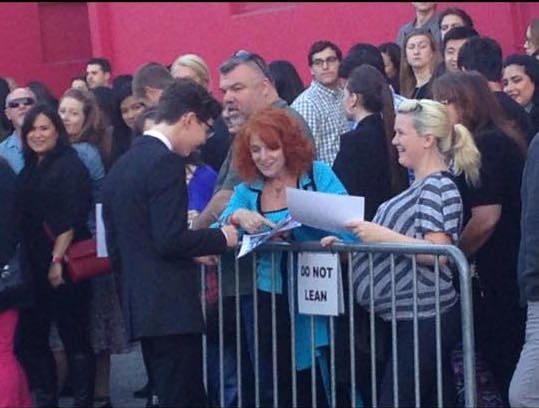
column 15, row 103
column 245, row 56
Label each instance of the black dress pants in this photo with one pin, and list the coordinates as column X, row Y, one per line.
column 68, row 306
column 176, row 365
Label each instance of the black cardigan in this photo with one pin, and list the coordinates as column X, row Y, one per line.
column 362, row 163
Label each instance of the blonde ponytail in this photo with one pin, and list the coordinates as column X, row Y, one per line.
column 466, row 157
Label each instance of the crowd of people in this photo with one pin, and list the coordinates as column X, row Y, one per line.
column 436, row 130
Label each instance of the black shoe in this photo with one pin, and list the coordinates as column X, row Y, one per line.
column 82, row 372
column 144, row 392
column 152, row 402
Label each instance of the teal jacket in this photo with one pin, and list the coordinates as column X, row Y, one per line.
column 247, row 195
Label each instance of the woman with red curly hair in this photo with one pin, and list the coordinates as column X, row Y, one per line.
column 271, row 153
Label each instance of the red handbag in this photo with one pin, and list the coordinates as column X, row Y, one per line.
column 81, row 261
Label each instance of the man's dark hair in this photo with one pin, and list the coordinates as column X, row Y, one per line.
column 184, row 96
column 482, row 54
column 458, row 33
column 151, row 75
column 246, row 57
column 457, row 12
column 121, row 80
column 102, row 62
column 321, row 46
column 360, row 54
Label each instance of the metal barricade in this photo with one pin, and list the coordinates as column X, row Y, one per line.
column 243, row 352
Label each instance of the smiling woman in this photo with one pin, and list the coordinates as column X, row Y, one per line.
column 55, row 191
column 521, row 82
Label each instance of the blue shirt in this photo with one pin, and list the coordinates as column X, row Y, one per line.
column 11, row 150
column 91, row 158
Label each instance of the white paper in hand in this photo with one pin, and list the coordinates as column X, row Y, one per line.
column 329, row 212
column 100, row 232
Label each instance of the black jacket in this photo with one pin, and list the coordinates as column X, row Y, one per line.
column 362, row 163
column 151, row 249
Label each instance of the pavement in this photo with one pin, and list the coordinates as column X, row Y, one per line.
column 127, row 375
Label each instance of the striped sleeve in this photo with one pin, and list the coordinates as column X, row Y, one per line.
column 439, row 208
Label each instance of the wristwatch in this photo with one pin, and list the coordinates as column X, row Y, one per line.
column 56, row 259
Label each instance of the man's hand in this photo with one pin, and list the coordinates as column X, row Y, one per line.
column 208, row 260
column 231, row 234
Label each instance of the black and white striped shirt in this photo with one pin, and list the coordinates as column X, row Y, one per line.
column 432, row 204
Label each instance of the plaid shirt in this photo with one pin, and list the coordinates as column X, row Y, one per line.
column 323, row 111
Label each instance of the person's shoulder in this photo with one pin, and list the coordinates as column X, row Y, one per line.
column 441, row 182
column 306, row 97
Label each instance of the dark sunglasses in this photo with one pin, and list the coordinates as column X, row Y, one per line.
column 15, row 103
column 245, row 56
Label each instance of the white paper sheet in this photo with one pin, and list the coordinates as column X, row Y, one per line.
column 250, row 242
column 100, row 232
column 325, row 211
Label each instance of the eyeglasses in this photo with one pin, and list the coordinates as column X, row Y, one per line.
column 15, row 103
column 210, row 130
column 245, row 56
column 319, row 62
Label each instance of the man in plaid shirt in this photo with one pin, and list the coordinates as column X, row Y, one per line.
column 321, row 103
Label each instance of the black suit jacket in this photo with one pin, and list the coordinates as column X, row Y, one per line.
column 145, row 215
column 362, row 163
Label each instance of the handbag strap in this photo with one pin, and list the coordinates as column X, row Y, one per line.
column 49, row 232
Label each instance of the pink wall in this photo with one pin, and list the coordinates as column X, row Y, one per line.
column 49, row 42
column 52, row 41
column 142, row 32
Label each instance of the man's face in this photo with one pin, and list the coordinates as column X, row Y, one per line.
column 191, row 134
column 325, row 67
column 18, row 103
column 451, row 54
column 243, row 94
column 95, row 76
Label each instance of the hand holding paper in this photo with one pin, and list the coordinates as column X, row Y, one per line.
column 330, row 212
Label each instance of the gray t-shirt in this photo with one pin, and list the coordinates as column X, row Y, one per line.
column 429, row 205
column 431, row 25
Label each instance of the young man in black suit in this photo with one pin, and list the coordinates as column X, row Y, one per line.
column 153, row 251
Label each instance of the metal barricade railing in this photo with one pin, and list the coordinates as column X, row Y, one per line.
column 265, row 383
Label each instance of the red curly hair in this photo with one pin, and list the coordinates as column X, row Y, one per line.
column 276, row 128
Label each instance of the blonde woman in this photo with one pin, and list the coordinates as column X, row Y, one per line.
column 429, row 211
column 193, row 67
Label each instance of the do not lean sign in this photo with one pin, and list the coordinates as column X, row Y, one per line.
column 318, row 284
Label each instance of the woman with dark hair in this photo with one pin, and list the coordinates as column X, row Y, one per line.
column 13, row 385
column 419, row 58
column 287, row 80
column 43, row 94
column 521, row 82
column 367, row 161
column 391, row 53
column 453, row 17
column 271, row 152
column 54, row 199
column 129, row 108
column 491, row 234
